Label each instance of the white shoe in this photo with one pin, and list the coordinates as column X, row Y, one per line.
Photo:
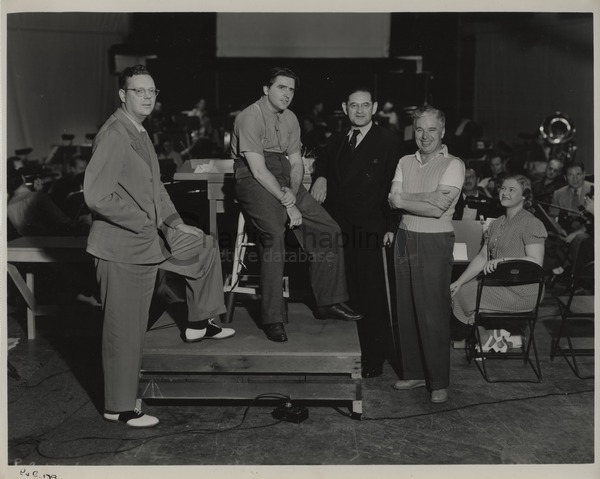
column 135, row 418
column 514, row 341
column 212, row 331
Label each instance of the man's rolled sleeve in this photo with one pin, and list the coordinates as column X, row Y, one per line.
column 250, row 133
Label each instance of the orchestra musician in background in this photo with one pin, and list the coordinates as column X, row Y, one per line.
column 574, row 225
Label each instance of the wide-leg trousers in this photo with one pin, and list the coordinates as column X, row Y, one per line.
column 423, row 266
column 126, row 292
column 367, row 287
column 319, row 235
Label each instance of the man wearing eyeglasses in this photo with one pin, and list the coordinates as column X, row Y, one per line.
column 135, row 231
column 353, row 178
column 269, row 170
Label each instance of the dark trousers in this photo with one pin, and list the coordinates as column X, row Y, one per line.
column 126, row 292
column 365, row 276
column 423, row 264
column 319, row 235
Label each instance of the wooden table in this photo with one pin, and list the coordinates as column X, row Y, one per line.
column 215, row 173
column 41, row 249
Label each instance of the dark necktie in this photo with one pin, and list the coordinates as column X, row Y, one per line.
column 353, row 140
column 574, row 200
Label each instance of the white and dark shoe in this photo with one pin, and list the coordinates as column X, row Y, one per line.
column 212, row 331
column 135, row 418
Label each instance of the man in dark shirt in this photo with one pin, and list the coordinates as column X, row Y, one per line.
column 473, row 203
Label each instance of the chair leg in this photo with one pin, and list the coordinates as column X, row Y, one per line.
column 556, row 349
column 230, row 305
column 479, row 356
column 574, row 366
column 537, row 367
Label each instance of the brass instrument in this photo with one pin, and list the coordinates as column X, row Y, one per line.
column 557, row 133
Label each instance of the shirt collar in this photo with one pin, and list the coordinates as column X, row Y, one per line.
column 443, row 151
column 136, row 123
column 265, row 108
column 363, row 129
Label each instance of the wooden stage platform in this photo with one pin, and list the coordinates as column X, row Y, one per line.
column 321, row 361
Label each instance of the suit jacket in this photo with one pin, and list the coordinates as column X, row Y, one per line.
column 357, row 193
column 128, row 201
column 562, row 197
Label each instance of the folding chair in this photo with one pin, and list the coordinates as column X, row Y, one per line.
column 576, row 309
column 509, row 273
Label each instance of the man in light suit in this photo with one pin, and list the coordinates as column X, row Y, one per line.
column 354, row 176
column 135, row 231
column 573, row 226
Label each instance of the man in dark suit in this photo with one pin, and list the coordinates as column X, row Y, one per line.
column 135, row 231
column 353, row 178
column 473, row 203
column 543, row 189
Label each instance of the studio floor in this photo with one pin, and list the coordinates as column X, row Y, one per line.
column 54, row 388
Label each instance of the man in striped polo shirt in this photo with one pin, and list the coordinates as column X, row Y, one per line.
column 426, row 188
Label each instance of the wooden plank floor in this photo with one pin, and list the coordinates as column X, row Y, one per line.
column 320, row 361
column 323, row 340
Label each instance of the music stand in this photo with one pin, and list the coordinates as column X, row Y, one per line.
column 544, row 217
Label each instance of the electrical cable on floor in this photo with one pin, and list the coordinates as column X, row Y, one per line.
column 36, row 439
column 23, row 383
column 147, row 439
column 466, row 406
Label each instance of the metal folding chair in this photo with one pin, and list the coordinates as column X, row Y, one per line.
column 576, row 311
column 509, row 273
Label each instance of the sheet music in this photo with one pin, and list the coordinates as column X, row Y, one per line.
column 460, row 252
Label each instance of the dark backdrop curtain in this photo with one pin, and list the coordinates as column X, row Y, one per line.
column 58, row 78
column 524, row 75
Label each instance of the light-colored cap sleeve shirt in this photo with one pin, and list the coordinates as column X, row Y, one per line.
column 416, row 177
column 508, row 238
column 258, row 130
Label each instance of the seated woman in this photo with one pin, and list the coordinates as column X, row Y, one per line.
column 516, row 235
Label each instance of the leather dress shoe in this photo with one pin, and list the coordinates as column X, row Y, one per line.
column 275, row 332
column 439, row 396
column 134, row 418
column 370, row 370
column 337, row 311
column 405, row 384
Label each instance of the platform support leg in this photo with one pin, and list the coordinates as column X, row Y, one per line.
column 32, row 308
column 357, row 410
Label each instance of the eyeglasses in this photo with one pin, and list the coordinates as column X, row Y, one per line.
column 142, row 92
column 356, row 106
